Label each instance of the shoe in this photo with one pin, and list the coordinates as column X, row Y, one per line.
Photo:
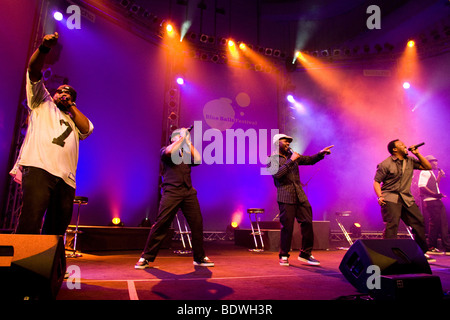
column 205, row 262
column 429, row 259
column 142, row 264
column 284, row 261
column 308, row 259
column 434, row 251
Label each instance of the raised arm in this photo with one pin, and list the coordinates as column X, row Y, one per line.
column 37, row 60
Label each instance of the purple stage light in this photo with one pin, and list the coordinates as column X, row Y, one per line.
column 58, row 16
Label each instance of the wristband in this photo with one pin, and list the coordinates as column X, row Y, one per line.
column 44, row 49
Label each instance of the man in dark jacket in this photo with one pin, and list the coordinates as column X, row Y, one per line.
column 291, row 198
column 178, row 193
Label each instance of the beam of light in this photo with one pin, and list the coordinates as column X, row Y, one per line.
column 237, row 216
column 408, row 66
column 184, row 29
column 232, row 49
column 260, row 61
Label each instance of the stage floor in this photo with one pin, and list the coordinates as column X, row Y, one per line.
column 238, row 274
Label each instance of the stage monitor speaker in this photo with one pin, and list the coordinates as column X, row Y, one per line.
column 31, row 266
column 392, row 256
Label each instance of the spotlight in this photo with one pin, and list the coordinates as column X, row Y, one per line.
column 242, row 46
column 116, row 222
column 406, row 85
column 58, row 16
column 355, row 230
column 411, row 43
column 180, row 81
column 231, row 43
column 169, row 29
column 290, row 98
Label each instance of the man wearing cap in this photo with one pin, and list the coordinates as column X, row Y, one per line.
column 47, row 163
column 433, row 206
column 177, row 193
column 291, row 198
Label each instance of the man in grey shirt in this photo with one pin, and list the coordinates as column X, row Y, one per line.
column 392, row 185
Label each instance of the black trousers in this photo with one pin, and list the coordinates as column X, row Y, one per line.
column 47, row 203
column 411, row 216
column 289, row 213
column 173, row 199
column 438, row 223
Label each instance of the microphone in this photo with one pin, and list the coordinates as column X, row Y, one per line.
column 190, row 128
column 416, row 146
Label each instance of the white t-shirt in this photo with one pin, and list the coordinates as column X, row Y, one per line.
column 52, row 138
column 424, row 177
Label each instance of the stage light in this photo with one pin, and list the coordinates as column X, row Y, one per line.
column 145, row 223
column 169, row 28
column 355, row 230
column 411, row 43
column 116, row 222
column 290, row 98
column 180, row 80
column 242, row 46
column 58, row 16
column 234, row 224
column 406, row 85
column 231, row 43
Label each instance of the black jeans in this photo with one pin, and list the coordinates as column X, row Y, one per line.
column 411, row 216
column 44, row 195
column 289, row 213
column 173, row 199
column 438, row 223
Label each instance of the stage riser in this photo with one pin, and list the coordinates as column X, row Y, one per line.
column 114, row 239
column 271, row 237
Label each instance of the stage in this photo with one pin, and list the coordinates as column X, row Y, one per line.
column 238, row 275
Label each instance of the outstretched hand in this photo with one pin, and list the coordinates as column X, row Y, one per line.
column 50, row 40
column 326, row 150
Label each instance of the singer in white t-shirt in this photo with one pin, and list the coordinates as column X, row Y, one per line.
column 47, row 163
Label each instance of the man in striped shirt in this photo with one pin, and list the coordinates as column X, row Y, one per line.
column 292, row 200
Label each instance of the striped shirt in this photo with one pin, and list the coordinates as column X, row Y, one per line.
column 287, row 177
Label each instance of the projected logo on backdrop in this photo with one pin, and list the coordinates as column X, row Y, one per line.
column 220, row 113
column 240, row 147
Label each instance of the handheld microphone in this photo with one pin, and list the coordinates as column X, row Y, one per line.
column 416, row 146
column 190, row 128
